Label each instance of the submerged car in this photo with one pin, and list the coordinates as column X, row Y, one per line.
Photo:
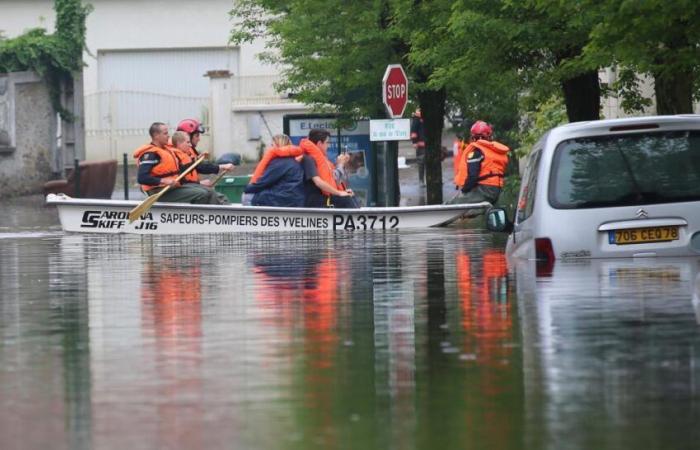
column 609, row 188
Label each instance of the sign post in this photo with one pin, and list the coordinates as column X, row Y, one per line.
column 395, row 99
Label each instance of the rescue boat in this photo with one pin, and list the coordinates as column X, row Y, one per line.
column 112, row 216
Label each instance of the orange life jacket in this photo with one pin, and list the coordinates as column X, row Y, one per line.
column 323, row 165
column 171, row 161
column 493, row 167
column 193, row 154
column 272, row 153
column 458, row 147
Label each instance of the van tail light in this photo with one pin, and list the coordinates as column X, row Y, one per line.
column 544, row 253
column 543, row 249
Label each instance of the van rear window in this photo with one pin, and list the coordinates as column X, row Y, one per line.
column 622, row 170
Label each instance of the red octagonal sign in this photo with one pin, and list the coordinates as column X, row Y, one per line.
column 395, row 90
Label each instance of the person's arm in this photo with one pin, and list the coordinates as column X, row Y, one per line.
column 146, row 163
column 311, row 173
column 414, row 130
column 340, row 174
column 325, row 187
column 474, row 160
column 207, row 168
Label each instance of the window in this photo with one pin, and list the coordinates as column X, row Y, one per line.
column 526, row 202
column 636, row 169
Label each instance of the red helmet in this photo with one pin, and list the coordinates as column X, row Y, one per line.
column 481, row 129
column 190, row 126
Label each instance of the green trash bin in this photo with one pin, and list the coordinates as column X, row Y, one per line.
column 232, row 187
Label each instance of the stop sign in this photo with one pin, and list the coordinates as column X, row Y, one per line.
column 395, row 90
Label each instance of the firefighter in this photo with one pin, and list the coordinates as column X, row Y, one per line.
column 159, row 164
column 194, row 130
column 481, row 167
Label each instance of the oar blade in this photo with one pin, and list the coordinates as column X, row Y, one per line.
column 141, row 209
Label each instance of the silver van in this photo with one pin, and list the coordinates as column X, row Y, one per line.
column 609, row 188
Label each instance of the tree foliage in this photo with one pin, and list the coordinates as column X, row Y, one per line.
column 333, row 54
column 657, row 38
column 520, row 64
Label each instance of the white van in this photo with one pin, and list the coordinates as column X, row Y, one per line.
column 609, row 188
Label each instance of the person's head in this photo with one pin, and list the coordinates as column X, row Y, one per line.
column 320, row 137
column 280, row 140
column 481, row 130
column 417, row 113
column 193, row 128
column 181, row 140
column 159, row 134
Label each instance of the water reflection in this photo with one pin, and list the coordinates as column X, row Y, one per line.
column 171, row 296
column 394, row 340
column 44, row 353
column 612, row 344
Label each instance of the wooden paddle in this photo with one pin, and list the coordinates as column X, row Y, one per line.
column 218, row 178
column 145, row 205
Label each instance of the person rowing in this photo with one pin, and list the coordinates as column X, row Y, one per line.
column 159, row 164
column 194, row 130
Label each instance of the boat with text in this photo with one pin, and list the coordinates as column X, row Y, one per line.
column 112, row 216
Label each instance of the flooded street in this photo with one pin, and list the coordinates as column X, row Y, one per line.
column 411, row 340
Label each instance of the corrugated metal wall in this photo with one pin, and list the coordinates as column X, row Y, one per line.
column 163, row 71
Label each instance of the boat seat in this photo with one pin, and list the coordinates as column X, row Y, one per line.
column 97, row 180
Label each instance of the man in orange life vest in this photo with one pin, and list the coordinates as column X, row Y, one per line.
column 158, row 166
column 321, row 188
column 481, row 167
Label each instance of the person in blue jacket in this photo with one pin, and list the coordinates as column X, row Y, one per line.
column 281, row 182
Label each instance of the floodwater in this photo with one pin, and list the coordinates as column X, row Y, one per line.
column 412, row 340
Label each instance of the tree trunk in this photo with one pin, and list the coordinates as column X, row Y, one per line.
column 674, row 93
column 582, row 97
column 432, row 105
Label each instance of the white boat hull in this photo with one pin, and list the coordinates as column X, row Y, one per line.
column 111, row 216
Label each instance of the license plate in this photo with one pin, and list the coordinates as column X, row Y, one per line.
column 643, row 235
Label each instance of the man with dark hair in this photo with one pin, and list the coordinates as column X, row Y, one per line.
column 322, row 189
column 160, row 164
column 156, row 128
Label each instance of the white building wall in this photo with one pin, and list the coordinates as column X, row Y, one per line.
column 611, row 108
column 132, row 29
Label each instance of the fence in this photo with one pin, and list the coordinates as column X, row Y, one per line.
column 117, row 121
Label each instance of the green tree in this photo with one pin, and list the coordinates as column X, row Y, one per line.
column 654, row 37
column 334, row 54
column 536, row 41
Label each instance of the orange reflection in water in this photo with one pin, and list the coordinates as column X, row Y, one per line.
column 486, row 312
column 303, row 292
column 172, row 315
column 488, row 327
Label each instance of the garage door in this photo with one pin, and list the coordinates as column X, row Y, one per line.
column 138, row 87
column 172, row 72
